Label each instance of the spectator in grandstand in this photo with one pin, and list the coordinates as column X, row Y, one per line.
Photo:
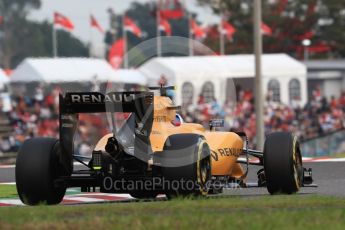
column 39, row 117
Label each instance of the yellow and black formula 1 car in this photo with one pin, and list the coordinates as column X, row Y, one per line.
column 153, row 152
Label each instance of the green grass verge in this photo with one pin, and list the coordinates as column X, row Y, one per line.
column 8, row 191
column 236, row 212
column 339, row 155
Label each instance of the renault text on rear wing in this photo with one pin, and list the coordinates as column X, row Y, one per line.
column 93, row 102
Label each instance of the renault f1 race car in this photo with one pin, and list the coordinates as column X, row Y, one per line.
column 153, row 152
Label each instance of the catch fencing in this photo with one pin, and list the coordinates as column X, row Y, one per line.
column 329, row 145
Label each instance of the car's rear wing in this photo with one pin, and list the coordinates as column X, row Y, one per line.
column 139, row 103
column 93, row 102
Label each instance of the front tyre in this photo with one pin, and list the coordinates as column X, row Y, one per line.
column 37, row 167
column 283, row 163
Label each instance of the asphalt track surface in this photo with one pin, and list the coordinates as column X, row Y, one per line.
column 329, row 176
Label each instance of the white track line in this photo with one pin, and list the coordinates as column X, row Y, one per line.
column 11, row 202
column 7, row 166
column 83, row 199
column 307, row 159
column 79, row 199
column 325, row 160
column 102, row 194
column 13, row 166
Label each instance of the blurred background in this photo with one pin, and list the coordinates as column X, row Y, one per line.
column 51, row 47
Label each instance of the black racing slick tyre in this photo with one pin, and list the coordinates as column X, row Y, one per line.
column 37, row 168
column 186, row 165
column 283, row 163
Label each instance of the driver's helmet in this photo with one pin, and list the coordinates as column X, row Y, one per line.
column 178, row 120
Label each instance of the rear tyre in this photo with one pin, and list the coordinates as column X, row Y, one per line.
column 37, row 168
column 283, row 163
column 186, row 165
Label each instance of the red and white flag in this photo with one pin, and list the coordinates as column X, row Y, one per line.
column 198, row 32
column 165, row 26
column 94, row 23
column 171, row 9
column 63, row 21
column 116, row 53
column 227, row 29
column 266, row 30
column 131, row 26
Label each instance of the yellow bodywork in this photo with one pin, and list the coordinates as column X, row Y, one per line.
column 225, row 146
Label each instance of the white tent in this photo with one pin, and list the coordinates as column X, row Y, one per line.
column 56, row 70
column 130, row 76
column 3, row 79
column 219, row 69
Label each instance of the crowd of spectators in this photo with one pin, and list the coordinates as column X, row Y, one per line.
column 38, row 116
column 318, row 117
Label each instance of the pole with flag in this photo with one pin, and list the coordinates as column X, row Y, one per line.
column 116, row 54
column 159, row 39
column 124, row 37
column 191, row 35
column 196, row 33
column 94, row 25
column 92, row 19
column 65, row 23
column 55, row 45
column 190, row 29
column 165, row 26
column 162, row 16
column 129, row 25
column 221, row 37
column 265, row 29
column 226, row 31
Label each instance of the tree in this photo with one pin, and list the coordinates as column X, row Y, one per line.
column 332, row 24
column 34, row 42
column 238, row 13
column 22, row 38
column 291, row 21
column 14, row 13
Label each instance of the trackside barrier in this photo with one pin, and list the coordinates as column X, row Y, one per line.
column 328, row 145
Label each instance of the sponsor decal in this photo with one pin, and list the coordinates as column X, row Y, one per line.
column 156, row 132
column 217, row 123
column 66, row 125
column 66, row 117
column 225, row 152
column 214, row 155
column 159, row 119
column 99, row 98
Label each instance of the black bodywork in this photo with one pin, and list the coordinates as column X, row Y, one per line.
column 116, row 161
